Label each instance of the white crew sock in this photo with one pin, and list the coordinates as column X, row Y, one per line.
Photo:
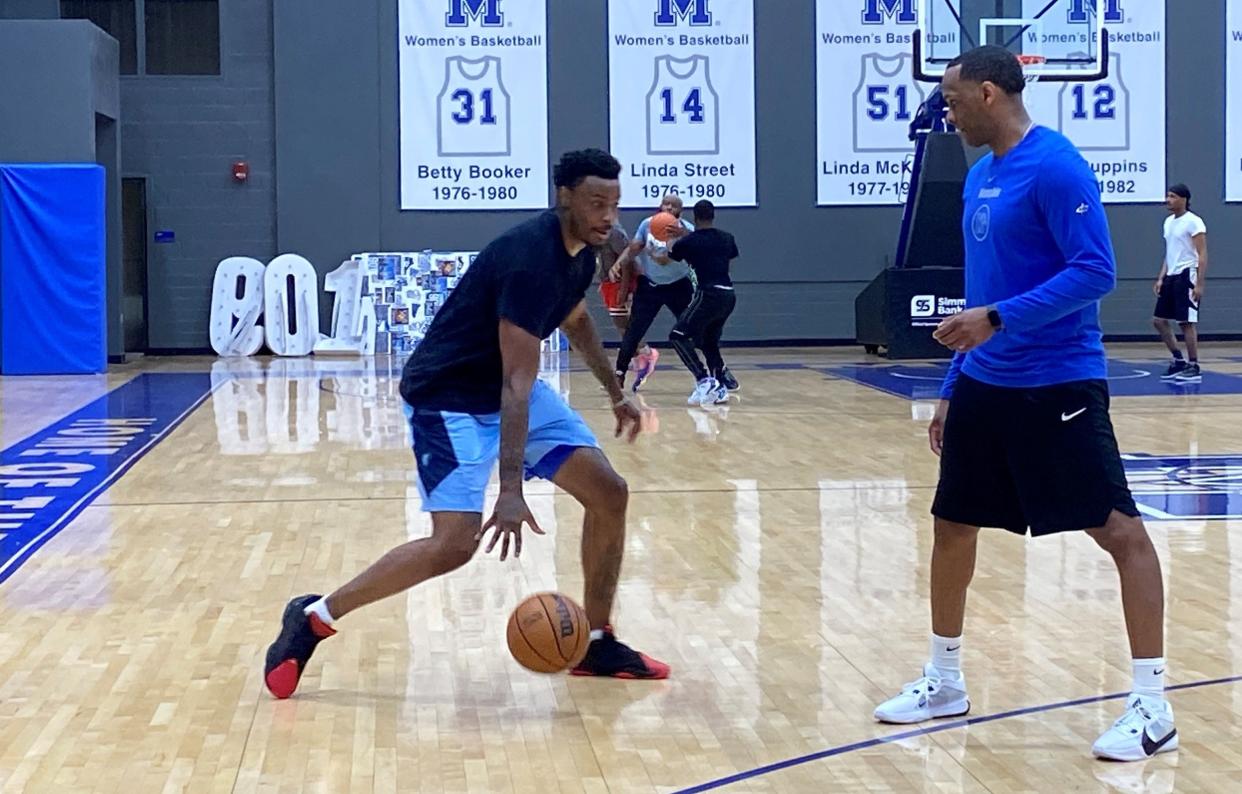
column 320, row 610
column 1149, row 678
column 946, row 654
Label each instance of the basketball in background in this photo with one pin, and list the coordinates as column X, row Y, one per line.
column 661, row 222
column 548, row 633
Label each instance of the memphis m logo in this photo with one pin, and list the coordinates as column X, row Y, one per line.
column 875, row 11
column 696, row 11
column 487, row 12
column 1081, row 10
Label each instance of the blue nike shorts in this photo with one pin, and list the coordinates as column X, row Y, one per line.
column 457, row 452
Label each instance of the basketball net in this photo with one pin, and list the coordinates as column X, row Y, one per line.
column 1030, row 66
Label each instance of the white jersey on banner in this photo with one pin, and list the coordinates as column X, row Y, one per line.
column 474, row 108
column 1118, row 123
column 885, row 101
column 1096, row 116
column 865, row 99
column 1233, row 101
column 473, row 119
column 681, row 100
column 683, row 115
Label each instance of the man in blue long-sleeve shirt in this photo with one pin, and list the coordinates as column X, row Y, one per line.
column 1023, row 428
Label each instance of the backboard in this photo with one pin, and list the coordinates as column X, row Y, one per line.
column 1069, row 36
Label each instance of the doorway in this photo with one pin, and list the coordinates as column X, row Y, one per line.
column 134, row 263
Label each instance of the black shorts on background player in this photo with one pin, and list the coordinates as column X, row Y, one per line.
column 1042, row 457
column 649, row 297
column 1176, row 301
column 701, row 325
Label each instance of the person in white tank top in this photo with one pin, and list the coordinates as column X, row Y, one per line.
column 1179, row 287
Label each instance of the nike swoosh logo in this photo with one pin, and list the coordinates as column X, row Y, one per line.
column 1159, row 672
column 1082, row 209
column 1068, row 417
column 1151, row 748
column 951, row 650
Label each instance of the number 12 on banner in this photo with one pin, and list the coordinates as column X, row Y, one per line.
column 1104, row 106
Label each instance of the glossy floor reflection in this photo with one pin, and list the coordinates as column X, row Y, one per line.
column 777, row 558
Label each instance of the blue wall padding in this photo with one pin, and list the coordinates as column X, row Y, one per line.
column 53, row 262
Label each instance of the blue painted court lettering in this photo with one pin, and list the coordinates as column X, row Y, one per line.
column 1173, row 487
column 50, row 477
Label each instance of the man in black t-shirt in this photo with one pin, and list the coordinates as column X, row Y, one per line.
column 475, row 398
column 708, row 251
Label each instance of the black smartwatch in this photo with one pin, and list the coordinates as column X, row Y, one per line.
column 995, row 319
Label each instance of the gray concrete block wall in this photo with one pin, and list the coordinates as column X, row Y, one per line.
column 324, row 83
column 801, row 265
column 183, row 134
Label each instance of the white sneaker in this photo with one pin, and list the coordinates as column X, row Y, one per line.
column 718, row 395
column 928, row 698
column 1143, row 731
column 702, row 393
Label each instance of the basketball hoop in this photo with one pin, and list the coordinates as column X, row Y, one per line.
column 1031, row 66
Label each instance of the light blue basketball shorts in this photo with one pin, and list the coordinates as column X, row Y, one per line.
column 457, row 452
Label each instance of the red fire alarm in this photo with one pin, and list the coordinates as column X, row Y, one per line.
column 241, row 171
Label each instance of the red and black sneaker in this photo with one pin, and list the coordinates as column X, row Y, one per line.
column 287, row 657
column 608, row 657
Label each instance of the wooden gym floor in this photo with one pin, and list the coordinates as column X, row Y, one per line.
column 777, row 558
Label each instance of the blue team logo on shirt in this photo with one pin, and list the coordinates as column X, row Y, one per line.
column 981, row 223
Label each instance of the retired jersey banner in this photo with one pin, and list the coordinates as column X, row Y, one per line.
column 1233, row 102
column 681, row 82
column 1117, row 123
column 866, row 98
column 474, row 104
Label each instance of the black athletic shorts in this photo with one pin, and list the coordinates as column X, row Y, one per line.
column 1044, row 458
column 1176, row 301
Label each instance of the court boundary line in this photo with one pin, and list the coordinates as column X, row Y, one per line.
column 878, row 741
column 23, row 554
column 557, row 493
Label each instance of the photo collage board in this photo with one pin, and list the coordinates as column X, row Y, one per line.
column 408, row 290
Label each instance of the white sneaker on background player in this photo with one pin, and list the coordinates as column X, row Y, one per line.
column 703, row 393
column 928, row 698
column 1143, row 731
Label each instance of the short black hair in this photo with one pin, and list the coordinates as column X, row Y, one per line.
column 992, row 64
column 705, row 211
column 577, row 165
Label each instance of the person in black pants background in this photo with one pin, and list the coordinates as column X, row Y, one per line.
column 661, row 283
column 708, row 251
